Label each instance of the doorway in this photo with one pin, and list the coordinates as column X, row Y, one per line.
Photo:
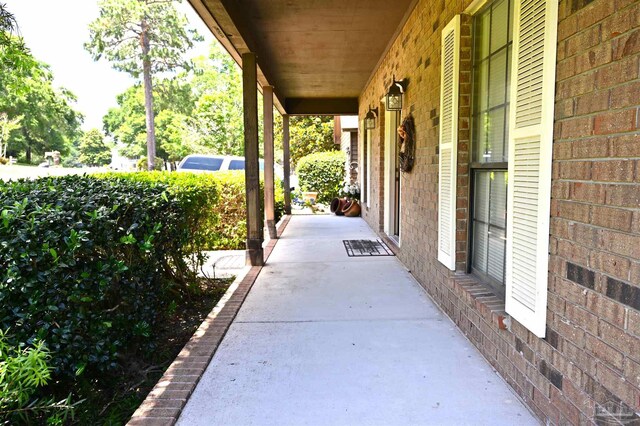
column 392, row 176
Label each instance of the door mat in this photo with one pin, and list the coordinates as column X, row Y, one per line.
column 366, row 248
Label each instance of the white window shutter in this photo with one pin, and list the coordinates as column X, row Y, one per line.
column 530, row 149
column 449, row 89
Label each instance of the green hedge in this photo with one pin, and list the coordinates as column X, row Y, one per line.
column 322, row 172
column 199, row 194
column 230, row 232
column 92, row 265
column 218, row 223
column 87, row 265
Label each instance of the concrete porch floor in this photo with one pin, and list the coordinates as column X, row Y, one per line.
column 325, row 339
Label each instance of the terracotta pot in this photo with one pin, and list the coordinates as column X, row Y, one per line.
column 336, row 206
column 310, row 197
column 351, row 208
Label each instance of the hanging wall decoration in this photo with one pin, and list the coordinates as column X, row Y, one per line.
column 407, row 133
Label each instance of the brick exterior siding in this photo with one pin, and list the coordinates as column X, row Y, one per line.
column 591, row 354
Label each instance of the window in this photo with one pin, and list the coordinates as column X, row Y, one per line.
column 492, row 55
column 239, row 165
column 202, row 163
column 236, row 165
column 512, row 140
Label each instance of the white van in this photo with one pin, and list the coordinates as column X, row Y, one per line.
column 213, row 163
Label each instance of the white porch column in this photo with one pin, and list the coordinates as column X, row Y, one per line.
column 255, row 255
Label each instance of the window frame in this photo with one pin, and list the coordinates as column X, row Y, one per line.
column 475, row 166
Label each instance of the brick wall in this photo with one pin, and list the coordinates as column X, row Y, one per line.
column 591, row 354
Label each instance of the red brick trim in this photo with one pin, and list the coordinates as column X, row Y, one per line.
column 479, row 295
column 165, row 402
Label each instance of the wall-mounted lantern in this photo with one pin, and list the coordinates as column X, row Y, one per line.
column 394, row 94
column 370, row 119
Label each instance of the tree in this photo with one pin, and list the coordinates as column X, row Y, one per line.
column 8, row 26
column 42, row 117
column 141, row 37
column 49, row 121
column 218, row 116
column 308, row 135
column 6, row 127
column 195, row 112
column 174, row 135
column 93, row 149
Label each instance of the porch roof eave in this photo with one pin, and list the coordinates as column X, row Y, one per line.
column 317, row 56
column 234, row 47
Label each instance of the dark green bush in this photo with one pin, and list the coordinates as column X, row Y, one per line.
column 215, row 222
column 322, row 172
column 230, row 231
column 85, row 265
column 198, row 195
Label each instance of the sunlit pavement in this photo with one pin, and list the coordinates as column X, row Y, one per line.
column 15, row 172
column 325, row 339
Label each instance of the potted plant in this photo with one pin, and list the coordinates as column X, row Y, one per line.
column 351, row 207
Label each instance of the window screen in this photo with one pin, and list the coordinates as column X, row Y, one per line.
column 492, row 34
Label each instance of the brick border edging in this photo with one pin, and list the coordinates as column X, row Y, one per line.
column 165, row 402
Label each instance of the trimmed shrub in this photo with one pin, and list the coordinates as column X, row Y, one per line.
column 198, row 194
column 87, row 264
column 322, row 172
column 230, row 231
column 215, row 204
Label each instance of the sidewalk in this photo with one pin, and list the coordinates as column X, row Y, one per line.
column 327, row 339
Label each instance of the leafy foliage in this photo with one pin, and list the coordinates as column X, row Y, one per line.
column 6, row 127
column 92, row 266
column 93, row 149
column 198, row 112
column 86, row 265
column 218, row 116
column 14, row 55
column 214, row 223
column 198, row 195
column 308, row 134
column 22, row 372
column 142, row 37
column 173, row 107
column 117, row 33
column 322, row 172
column 48, row 120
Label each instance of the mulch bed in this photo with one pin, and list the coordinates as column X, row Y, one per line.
column 112, row 400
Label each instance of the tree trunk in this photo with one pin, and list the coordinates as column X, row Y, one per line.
column 28, row 153
column 148, row 97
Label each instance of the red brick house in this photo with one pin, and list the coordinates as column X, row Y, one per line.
column 521, row 215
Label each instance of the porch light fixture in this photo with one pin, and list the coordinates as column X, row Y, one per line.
column 370, row 119
column 394, row 94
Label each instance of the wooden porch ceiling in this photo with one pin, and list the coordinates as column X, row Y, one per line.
column 318, row 54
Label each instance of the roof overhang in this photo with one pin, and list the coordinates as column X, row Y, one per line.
column 318, row 55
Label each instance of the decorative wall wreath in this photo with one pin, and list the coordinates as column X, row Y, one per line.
column 407, row 133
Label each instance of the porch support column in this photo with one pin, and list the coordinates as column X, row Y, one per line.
column 286, row 164
column 255, row 256
column 269, row 194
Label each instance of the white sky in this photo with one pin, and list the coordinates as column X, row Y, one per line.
column 55, row 31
